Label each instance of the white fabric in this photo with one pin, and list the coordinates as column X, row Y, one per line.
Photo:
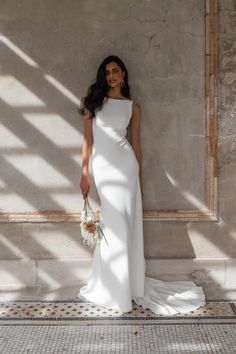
column 118, row 269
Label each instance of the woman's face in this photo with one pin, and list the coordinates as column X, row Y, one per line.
column 114, row 74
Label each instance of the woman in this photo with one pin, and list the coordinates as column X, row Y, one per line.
column 118, row 268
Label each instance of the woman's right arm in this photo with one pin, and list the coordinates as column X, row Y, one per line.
column 86, row 152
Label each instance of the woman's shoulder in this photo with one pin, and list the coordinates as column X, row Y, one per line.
column 87, row 114
column 136, row 105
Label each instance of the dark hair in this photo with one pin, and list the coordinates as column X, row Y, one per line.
column 98, row 89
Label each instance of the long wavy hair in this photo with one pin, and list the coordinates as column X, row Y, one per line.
column 98, row 90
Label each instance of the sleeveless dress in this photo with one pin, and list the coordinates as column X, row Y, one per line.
column 118, row 267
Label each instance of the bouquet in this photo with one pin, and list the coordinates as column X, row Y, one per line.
column 91, row 230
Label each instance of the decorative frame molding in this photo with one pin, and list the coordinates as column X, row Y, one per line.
column 211, row 95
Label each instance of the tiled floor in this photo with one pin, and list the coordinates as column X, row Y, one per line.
column 78, row 326
column 83, row 310
column 125, row 339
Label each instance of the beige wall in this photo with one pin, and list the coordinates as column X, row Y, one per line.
column 47, row 54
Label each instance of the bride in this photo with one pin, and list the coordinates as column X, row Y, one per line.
column 118, row 272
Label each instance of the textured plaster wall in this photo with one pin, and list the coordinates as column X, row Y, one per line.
column 30, row 29
column 49, row 56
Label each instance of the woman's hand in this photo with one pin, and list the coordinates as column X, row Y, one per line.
column 84, row 185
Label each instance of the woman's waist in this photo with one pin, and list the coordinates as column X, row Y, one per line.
column 112, row 133
column 114, row 149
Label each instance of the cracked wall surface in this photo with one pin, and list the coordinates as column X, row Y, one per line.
column 162, row 44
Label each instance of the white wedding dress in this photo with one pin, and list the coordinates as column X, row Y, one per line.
column 118, row 268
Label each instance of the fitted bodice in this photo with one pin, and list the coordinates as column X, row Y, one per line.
column 110, row 145
column 113, row 119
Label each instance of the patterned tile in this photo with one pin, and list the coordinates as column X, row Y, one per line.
column 84, row 310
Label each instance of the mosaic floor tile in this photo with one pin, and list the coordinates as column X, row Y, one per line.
column 115, row 339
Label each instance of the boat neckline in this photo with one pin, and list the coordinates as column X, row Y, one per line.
column 117, row 99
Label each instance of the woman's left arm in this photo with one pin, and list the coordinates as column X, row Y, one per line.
column 135, row 138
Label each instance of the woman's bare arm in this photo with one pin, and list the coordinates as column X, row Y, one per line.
column 135, row 137
column 86, row 152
